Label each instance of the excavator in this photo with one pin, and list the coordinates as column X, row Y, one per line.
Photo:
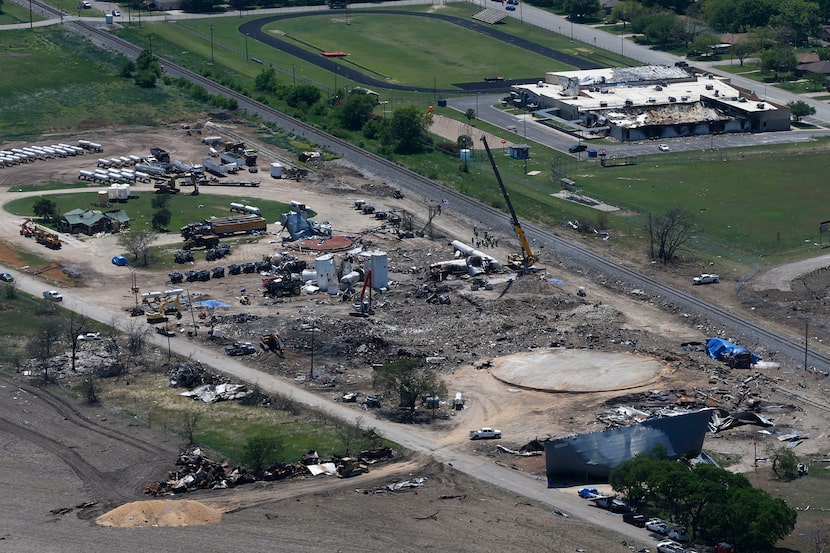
column 522, row 263
column 160, row 315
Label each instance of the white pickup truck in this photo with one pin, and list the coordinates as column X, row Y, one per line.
column 485, row 433
column 53, row 295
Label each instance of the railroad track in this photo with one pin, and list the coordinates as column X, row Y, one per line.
column 589, row 262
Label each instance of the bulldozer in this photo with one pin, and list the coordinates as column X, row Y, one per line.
column 167, row 187
column 272, row 342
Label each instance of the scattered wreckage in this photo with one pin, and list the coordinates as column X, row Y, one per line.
column 197, row 472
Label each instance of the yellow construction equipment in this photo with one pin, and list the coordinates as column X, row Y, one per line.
column 525, row 261
column 160, row 315
column 30, row 229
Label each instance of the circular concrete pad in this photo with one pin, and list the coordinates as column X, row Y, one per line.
column 575, row 370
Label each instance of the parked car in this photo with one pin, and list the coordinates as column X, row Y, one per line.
column 577, row 148
column 681, row 63
column 485, row 433
column 6, row 277
column 514, row 2
column 116, row 13
column 588, row 493
column 53, row 295
column 85, row 5
column 658, row 526
column 120, row 261
column 635, row 518
column 663, row 147
column 670, row 546
column 679, row 534
column 89, row 336
column 510, row 8
column 240, row 348
column 706, row 278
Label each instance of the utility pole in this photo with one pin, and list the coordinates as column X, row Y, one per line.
column 211, row 44
column 246, row 47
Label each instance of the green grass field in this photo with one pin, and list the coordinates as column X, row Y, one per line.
column 81, row 89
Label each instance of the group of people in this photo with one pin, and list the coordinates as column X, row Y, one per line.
column 489, row 241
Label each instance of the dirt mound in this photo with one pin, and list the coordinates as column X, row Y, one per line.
column 140, row 514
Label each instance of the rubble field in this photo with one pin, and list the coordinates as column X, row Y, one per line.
column 462, row 329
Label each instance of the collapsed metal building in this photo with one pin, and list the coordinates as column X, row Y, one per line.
column 649, row 102
column 594, row 455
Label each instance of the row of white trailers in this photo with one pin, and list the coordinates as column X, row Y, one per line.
column 114, row 175
column 118, row 162
column 30, row 154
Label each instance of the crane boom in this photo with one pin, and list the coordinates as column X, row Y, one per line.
column 527, row 259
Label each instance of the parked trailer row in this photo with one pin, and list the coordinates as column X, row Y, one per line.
column 90, row 146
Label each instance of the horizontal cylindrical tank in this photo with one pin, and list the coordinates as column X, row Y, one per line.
column 309, row 274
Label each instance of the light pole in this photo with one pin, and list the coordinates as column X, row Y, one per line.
column 294, row 74
column 151, row 43
column 31, row 24
column 476, row 105
column 246, row 47
column 572, row 30
column 211, row 44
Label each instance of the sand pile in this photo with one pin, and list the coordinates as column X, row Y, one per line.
column 160, row 513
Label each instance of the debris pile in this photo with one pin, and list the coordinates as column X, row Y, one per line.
column 196, row 472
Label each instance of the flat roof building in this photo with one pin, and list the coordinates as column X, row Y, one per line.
column 650, row 102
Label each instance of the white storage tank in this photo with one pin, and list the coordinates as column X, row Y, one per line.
column 251, row 209
column 326, row 274
column 112, row 193
column 103, row 198
column 379, row 264
column 123, row 192
column 276, row 170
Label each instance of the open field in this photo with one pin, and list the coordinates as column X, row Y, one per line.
column 80, row 90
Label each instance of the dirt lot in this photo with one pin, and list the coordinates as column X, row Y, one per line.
column 62, row 459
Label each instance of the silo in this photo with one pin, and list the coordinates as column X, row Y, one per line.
column 326, row 277
column 112, row 193
column 123, row 192
column 103, row 198
column 379, row 264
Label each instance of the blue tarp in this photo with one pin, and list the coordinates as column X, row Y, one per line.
column 718, row 348
column 211, row 304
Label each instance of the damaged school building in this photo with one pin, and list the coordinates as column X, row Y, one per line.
column 649, row 102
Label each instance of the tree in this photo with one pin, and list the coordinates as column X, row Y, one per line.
column 161, row 219
column 147, row 70
column 579, row 9
column 799, row 109
column 137, row 242
column 743, row 49
column 42, row 344
column 355, row 110
column 705, row 41
column 668, row 233
column 46, row 209
column 817, row 80
column 785, row 464
column 73, row 325
column 470, row 114
column 800, row 17
column 408, row 129
column 626, row 11
column 189, row 421
column 303, row 96
column 266, row 81
column 778, row 60
column 261, row 451
column 754, row 521
column 409, row 380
